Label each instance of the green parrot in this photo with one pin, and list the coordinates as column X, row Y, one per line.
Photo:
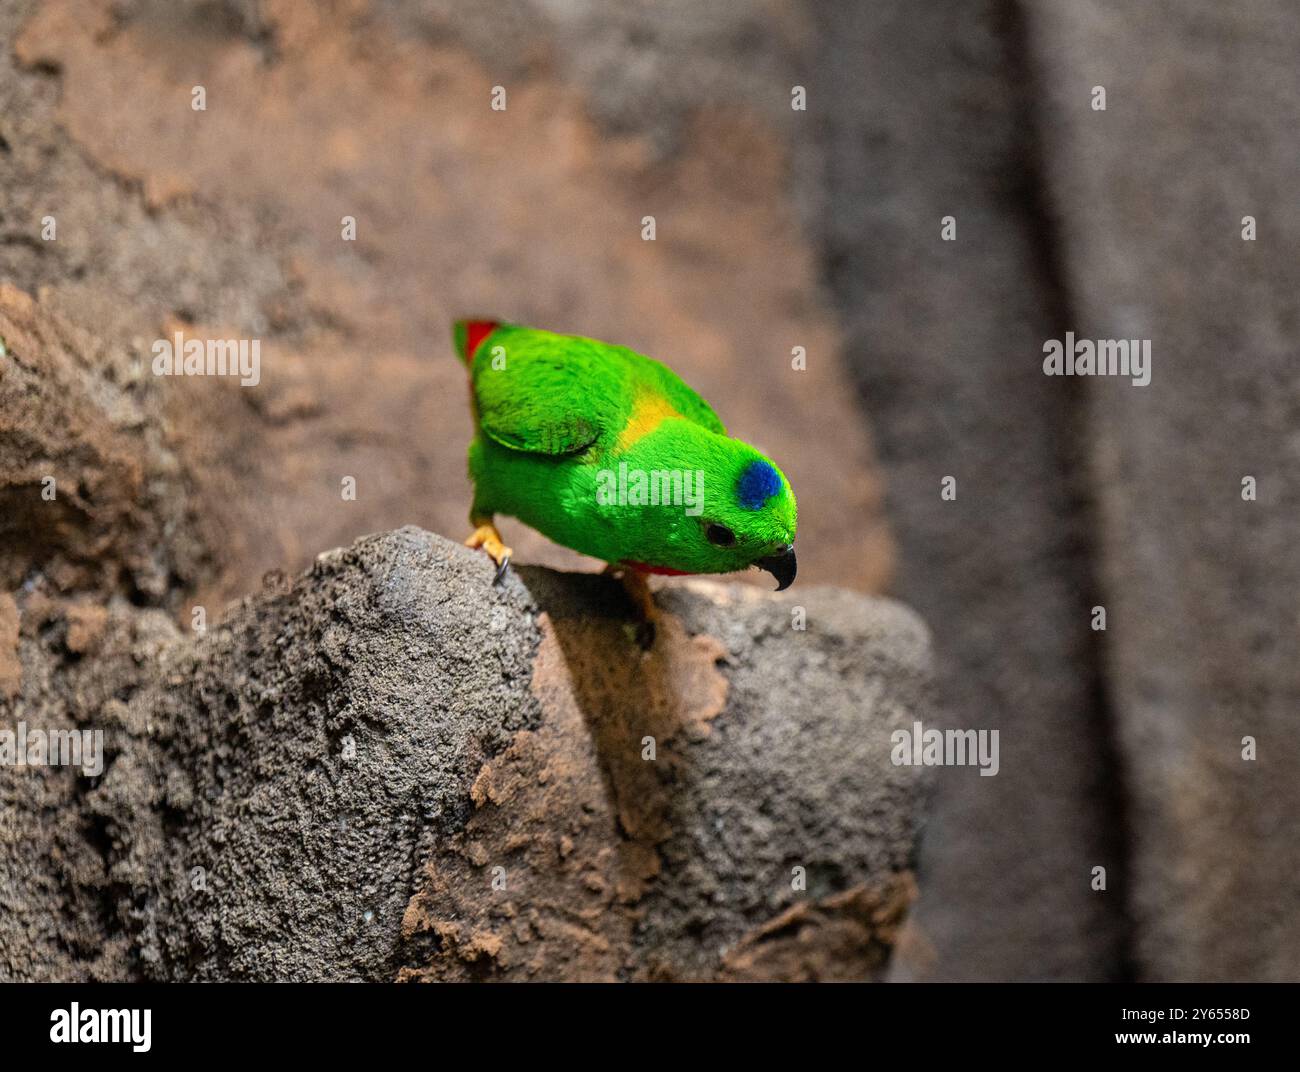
column 608, row 452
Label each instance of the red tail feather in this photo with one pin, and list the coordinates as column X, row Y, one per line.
column 475, row 332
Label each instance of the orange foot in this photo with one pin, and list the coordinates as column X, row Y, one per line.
column 487, row 537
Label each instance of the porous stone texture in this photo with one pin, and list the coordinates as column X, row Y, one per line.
column 388, row 767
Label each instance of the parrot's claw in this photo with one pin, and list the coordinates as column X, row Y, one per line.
column 502, row 567
column 487, row 537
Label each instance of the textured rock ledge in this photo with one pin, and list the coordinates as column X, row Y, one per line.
column 387, row 768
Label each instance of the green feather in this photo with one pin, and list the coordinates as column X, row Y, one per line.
column 564, row 424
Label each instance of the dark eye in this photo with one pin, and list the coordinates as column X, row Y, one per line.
column 720, row 535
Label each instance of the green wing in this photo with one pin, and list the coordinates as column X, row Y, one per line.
column 541, row 393
column 559, row 394
column 684, row 400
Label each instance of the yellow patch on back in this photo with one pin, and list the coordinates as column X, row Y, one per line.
column 648, row 413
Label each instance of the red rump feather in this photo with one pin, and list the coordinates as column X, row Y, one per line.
column 475, row 332
column 663, row 571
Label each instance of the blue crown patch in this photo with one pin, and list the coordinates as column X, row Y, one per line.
column 758, row 483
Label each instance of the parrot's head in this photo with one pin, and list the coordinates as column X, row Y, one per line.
column 738, row 510
column 751, row 519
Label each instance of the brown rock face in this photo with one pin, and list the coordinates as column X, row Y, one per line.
column 11, row 667
column 314, row 117
column 90, row 495
column 514, row 730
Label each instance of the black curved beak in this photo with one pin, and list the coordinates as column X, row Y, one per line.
column 782, row 566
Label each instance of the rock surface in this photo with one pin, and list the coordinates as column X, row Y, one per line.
column 1122, row 749
column 777, row 229
column 1200, row 581
column 388, row 768
column 947, row 350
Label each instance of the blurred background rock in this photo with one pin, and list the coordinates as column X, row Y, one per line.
column 776, row 229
